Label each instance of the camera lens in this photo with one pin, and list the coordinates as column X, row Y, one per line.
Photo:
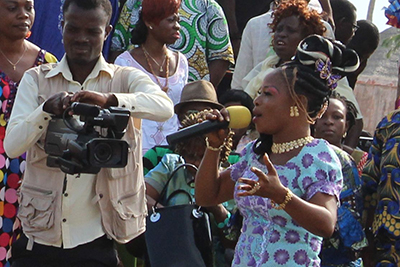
column 103, row 152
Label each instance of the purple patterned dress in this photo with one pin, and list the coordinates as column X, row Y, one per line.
column 271, row 237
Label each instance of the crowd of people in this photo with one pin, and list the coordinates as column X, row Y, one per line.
column 294, row 187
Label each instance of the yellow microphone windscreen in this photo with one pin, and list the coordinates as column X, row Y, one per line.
column 240, row 117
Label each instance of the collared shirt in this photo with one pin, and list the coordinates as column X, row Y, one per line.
column 80, row 215
column 29, row 109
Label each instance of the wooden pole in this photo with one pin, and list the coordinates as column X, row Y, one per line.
column 371, row 8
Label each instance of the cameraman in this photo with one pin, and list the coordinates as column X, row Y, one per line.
column 70, row 220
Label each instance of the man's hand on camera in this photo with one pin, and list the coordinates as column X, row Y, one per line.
column 104, row 100
column 57, row 103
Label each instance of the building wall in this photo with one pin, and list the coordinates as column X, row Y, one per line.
column 376, row 97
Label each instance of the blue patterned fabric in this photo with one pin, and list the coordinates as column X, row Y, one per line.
column 349, row 237
column 381, row 189
column 271, row 237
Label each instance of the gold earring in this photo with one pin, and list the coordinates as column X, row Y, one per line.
column 294, row 111
column 344, row 135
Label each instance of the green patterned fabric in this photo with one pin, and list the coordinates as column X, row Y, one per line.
column 204, row 34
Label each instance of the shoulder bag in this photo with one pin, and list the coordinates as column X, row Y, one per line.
column 178, row 236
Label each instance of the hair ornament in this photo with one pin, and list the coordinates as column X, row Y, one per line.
column 325, row 72
column 304, row 45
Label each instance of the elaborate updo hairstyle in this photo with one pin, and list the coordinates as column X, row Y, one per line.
column 318, row 64
column 309, row 18
column 152, row 11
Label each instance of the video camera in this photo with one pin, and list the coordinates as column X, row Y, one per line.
column 76, row 147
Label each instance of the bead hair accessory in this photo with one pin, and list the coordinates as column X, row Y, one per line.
column 304, row 46
column 279, row 148
column 288, row 197
column 309, row 51
column 294, row 111
column 325, row 72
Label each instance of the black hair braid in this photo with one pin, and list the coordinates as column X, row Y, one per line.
column 313, row 88
column 315, row 47
column 139, row 33
column 263, row 144
column 309, row 80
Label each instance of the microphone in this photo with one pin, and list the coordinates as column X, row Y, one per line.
column 240, row 117
column 85, row 109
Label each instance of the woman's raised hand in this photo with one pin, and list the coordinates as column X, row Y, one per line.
column 268, row 184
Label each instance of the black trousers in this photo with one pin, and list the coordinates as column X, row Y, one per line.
column 98, row 253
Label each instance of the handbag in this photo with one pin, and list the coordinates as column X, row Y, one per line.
column 178, row 236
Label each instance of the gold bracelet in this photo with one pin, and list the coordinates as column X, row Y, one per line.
column 281, row 206
column 214, row 148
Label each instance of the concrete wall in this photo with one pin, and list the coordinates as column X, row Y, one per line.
column 376, row 97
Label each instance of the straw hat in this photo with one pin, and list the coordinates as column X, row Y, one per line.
column 200, row 91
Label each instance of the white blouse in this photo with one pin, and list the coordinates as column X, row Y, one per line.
column 154, row 133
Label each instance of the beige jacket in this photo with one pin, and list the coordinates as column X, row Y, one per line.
column 120, row 192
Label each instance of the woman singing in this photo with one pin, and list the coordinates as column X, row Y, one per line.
column 286, row 183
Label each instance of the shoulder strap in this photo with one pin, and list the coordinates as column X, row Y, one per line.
column 170, row 178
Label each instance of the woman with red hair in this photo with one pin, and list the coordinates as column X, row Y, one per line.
column 158, row 26
column 292, row 21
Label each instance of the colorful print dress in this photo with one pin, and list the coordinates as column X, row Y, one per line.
column 11, row 170
column 343, row 247
column 204, row 34
column 271, row 237
column 381, row 190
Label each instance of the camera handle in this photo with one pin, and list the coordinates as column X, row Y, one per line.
column 70, row 122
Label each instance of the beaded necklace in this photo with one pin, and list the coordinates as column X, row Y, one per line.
column 279, row 148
